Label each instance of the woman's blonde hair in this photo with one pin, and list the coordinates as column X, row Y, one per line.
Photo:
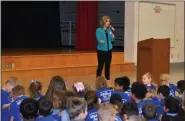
column 101, row 82
column 104, row 19
column 164, row 77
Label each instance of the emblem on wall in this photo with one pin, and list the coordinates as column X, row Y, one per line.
column 157, row 9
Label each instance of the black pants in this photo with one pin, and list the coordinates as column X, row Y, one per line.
column 104, row 57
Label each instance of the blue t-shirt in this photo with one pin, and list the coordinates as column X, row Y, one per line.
column 118, row 118
column 128, row 92
column 173, row 89
column 65, row 116
column 160, row 108
column 92, row 115
column 47, row 118
column 55, row 113
column 104, row 94
column 155, row 102
column 124, row 96
column 5, row 99
column 15, row 108
column 150, row 88
column 156, row 119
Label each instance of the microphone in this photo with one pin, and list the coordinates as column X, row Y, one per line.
column 112, row 28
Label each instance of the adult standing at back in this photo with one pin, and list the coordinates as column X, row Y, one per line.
column 105, row 37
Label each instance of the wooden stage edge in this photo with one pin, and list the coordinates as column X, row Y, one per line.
column 43, row 64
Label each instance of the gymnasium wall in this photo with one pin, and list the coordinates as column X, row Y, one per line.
column 132, row 32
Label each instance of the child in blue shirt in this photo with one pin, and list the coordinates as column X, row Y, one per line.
column 92, row 104
column 150, row 86
column 139, row 91
column 165, row 80
column 29, row 109
column 122, row 87
column 45, row 110
column 129, row 109
column 103, row 92
column 35, row 90
column 18, row 93
column 149, row 112
column 116, row 101
column 6, row 99
column 79, row 89
column 171, row 107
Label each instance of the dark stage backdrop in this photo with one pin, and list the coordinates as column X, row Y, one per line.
column 30, row 24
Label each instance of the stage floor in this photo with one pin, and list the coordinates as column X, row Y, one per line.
column 42, row 64
column 25, row 52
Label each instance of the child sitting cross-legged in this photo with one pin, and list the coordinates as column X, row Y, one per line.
column 103, row 92
column 122, row 88
column 29, row 109
column 117, row 103
column 18, row 93
column 92, row 104
column 76, row 108
column 45, row 110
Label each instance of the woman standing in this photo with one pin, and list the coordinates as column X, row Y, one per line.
column 105, row 37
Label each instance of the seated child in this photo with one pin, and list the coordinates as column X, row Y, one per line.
column 106, row 112
column 162, row 92
column 150, row 86
column 45, row 110
column 117, row 103
column 76, row 108
column 29, row 109
column 129, row 109
column 138, row 92
column 180, row 87
column 165, row 80
column 6, row 98
column 122, row 88
column 103, row 92
column 35, row 90
column 58, row 100
column 92, row 104
column 79, row 89
column 147, row 81
column 149, row 112
column 171, row 107
column 18, row 93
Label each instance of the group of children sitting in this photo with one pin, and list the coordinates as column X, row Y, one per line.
column 143, row 101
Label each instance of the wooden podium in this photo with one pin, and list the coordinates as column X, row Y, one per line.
column 153, row 55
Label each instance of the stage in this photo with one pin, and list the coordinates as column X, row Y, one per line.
column 42, row 64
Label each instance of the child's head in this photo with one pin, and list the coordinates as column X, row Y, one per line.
column 171, row 105
column 149, row 111
column 129, row 109
column 79, row 89
column 56, row 82
column 138, row 91
column 77, row 108
column 92, row 100
column 35, row 88
column 117, row 102
column 101, row 82
column 10, row 83
column 58, row 99
column 163, row 91
column 106, row 112
column 29, row 109
column 17, row 91
column 181, row 86
column 147, row 79
column 44, row 106
column 122, row 83
column 164, row 79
